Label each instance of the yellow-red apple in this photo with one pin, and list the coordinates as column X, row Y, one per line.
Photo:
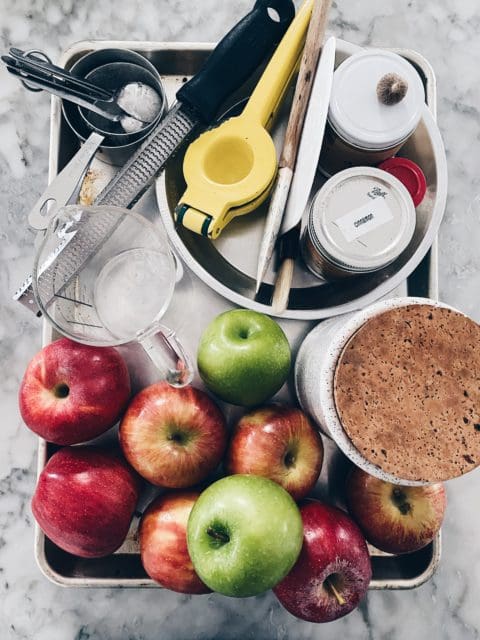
column 277, row 442
column 173, row 437
column 163, row 542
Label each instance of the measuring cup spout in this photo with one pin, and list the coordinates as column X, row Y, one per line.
column 268, row 93
column 167, row 354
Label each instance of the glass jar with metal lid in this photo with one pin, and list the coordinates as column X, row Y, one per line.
column 359, row 222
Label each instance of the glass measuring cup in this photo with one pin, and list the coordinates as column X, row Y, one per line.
column 122, row 288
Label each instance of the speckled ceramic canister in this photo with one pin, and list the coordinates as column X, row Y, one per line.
column 315, row 368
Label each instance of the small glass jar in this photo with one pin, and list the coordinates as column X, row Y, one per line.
column 361, row 128
column 359, row 222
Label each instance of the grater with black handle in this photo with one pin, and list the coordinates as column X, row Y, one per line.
column 233, row 60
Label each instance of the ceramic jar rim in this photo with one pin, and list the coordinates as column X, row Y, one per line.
column 326, row 386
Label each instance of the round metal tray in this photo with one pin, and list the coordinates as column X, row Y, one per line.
column 229, row 264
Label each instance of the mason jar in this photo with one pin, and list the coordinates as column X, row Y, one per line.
column 359, row 222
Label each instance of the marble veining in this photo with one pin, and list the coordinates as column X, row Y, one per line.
column 447, row 33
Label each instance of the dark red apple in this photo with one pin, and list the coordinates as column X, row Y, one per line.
column 394, row 518
column 72, row 393
column 163, row 542
column 173, row 437
column 280, row 443
column 333, row 571
column 85, row 499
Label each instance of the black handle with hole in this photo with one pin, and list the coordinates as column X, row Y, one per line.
column 236, row 57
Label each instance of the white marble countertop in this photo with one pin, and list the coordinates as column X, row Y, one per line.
column 447, row 33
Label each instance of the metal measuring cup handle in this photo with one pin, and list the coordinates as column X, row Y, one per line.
column 167, row 354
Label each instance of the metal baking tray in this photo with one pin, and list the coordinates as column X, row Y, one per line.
column 175, row 62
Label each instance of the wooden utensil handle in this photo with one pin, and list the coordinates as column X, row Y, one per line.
column 288, row 250
column 308, row 66
column 283, row 285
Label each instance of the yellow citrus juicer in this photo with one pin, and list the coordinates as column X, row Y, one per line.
column 230, row 170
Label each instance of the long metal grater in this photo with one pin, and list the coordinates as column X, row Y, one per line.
column 124, row 190
column 129, row 184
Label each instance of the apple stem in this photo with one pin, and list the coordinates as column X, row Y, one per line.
column 218, row 535
column 289, row 459
column 337, row 594
column 400, row 500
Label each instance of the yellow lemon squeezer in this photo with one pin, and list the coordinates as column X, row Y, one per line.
column 230, row 170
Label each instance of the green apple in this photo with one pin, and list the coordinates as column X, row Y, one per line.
column 243, row 357
column 244, row 534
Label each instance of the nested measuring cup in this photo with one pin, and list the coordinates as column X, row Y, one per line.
column 121, row 289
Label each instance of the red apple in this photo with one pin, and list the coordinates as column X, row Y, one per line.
column 72, row 392
column 85, row 499
column 333, row 571
column 394, row 518
column 280, row 443
column 173, row 437
column 163, row 542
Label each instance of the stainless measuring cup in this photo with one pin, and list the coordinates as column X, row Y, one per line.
column 121, row 291
column 113, row 77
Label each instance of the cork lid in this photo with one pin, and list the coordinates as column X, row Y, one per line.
column 407, row 391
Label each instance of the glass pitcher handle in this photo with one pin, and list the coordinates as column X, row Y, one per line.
column 167, row 354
